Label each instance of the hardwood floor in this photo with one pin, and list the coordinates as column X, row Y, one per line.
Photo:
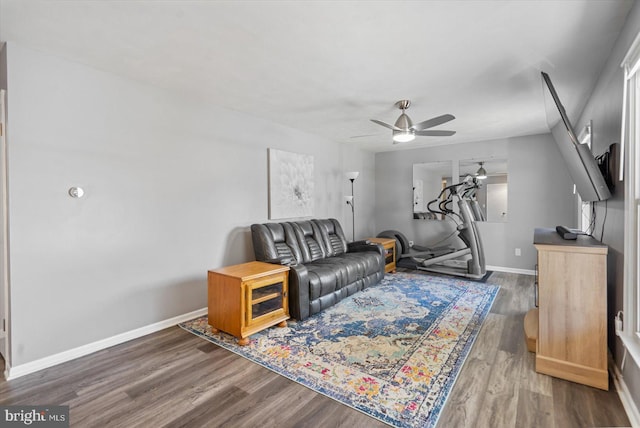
column 175, row 379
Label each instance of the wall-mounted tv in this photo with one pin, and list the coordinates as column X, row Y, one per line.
column 580, row 162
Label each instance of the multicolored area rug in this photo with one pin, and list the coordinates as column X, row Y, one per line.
column 392, row 351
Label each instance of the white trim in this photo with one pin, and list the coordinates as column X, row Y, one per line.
column 631, row 343
column 630, row 65
column 623, row 128
column 5, row 341
column 631, row 62
column 625, row 396
column 71, row 354
column 633, row 54
column 512, row 270
column 630, row 139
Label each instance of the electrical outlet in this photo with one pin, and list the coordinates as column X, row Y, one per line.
column 518, row 252
column 411, row 243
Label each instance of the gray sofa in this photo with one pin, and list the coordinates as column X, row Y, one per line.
column 324, row 267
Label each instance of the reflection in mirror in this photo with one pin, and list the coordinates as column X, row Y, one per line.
column 491, row 194
column 428, row 181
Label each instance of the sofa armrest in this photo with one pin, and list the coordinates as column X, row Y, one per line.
column 285, row 261
column 359, row 246
column 365, row 246
column 298, row 292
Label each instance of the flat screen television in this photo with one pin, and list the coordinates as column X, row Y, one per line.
column 580, row 162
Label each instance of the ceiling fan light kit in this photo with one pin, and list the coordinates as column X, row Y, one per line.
column 404, row 130
column 403, row 136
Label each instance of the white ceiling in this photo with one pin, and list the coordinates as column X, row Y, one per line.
column 327, row 67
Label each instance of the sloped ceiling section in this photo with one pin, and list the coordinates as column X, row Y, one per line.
column 329, row 67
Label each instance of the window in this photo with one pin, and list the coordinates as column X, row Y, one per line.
column 586, row 217
column 630, row 170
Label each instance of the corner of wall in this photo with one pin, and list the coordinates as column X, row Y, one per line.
column 3, row 65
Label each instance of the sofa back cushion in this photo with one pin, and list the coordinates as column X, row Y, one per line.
column 310, row 240
column 275, row 241
column 332, row 235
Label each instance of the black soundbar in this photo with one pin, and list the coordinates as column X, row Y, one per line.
column 565, row 233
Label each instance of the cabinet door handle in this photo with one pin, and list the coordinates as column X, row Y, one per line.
column 535, row 286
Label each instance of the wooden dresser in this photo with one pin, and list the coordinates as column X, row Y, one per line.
column 571, row 340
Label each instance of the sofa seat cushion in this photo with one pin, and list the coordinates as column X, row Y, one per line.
column 328, row 285
column 368, row 261
column 334, row 273
column 345, row 272
column 348, row 269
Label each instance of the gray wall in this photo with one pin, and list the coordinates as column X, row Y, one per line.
column 539, row 195
column 604, row 108
column 172, row 184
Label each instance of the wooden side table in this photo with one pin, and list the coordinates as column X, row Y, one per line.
column 247, row 298
column 389, row 245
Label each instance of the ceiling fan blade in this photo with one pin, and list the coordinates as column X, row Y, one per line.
column 365, row 135
column 433, row 122
column 435, row 133
column 386, row 125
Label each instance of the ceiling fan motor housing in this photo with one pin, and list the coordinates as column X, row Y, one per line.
column 403, row 104
column 406, row 132
column 404, row 122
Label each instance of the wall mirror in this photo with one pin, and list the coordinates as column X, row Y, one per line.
column 428, row 180
column 492, row 191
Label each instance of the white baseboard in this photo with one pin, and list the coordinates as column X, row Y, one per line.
column 72, row 354
column 511, row 270
column 625, row 396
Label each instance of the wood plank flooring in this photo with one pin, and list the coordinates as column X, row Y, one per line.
column 175, row 379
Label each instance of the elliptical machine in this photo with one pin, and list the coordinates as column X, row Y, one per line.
column 469, row 194
column 469, row 261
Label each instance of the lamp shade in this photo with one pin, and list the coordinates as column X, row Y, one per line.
column 352, row 175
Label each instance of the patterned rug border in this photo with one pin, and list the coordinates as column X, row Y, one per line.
column 254, row 360
column 451, row 381
column 478, row 321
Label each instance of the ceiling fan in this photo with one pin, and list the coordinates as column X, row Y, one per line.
column 404, row 130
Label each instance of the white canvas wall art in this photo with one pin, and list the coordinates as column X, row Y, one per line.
column 290, row 185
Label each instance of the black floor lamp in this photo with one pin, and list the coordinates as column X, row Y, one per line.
column 351, row 176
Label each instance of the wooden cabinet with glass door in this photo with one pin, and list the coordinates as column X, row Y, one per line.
column 247, row 298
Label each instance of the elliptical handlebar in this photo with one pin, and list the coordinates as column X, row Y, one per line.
column 445, row 197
